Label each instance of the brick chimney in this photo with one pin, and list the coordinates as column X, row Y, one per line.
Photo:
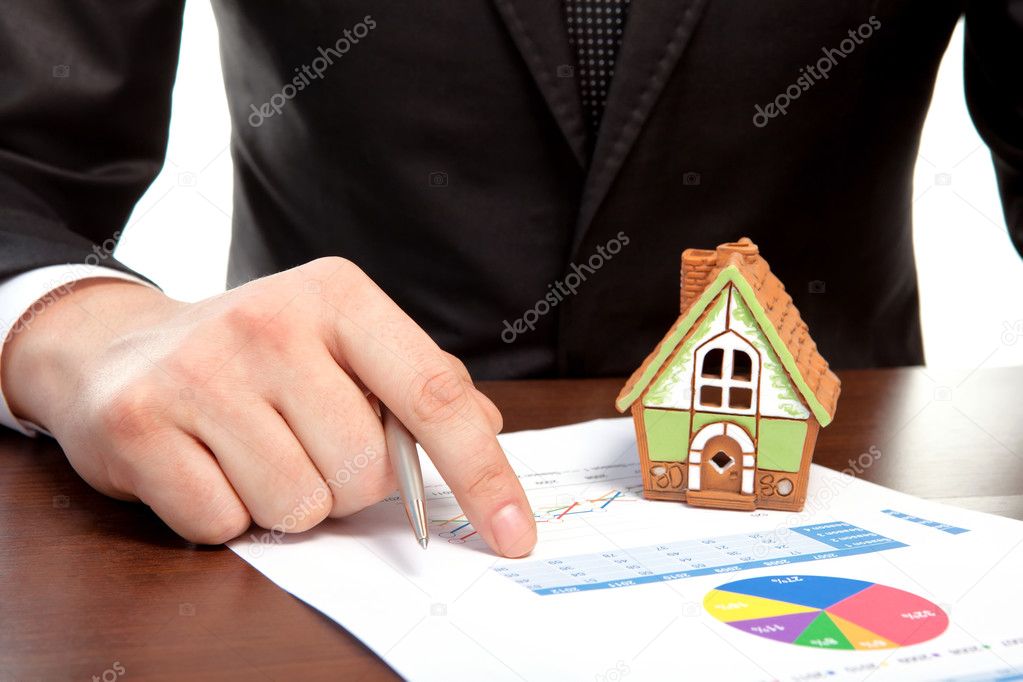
column 699, row 264
column 744, row 247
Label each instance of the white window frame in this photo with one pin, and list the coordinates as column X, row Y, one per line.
column 729, row 343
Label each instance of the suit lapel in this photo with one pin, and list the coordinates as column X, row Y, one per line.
column 656, row 34
column 538, row 29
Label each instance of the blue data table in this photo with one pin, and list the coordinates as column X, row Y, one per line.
column 691, row 558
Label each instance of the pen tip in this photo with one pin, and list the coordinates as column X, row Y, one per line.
column 423, row 542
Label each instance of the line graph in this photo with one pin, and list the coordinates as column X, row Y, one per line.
column 587, row 508
column 457, row 529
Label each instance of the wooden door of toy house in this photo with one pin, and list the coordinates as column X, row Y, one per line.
column 721, row 465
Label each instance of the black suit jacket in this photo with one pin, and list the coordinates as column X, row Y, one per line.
column 440, row 145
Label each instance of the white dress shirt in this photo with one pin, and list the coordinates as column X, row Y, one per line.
column 21, row 294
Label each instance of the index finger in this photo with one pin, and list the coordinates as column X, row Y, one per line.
column 403, row 367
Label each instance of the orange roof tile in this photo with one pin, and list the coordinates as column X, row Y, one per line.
column 701, row 268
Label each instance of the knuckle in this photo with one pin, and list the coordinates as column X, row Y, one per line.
column 187, row 366
column 282, row 334
column 222, row 519
column 496, row 419
column 362, row 481
column 297, row 513
column 274, row 329
column 357, row 496
column 242, row 316
column 379, row 483
column 125, row 463
column 316, row 507
column 458, row 366
column 130, row 414
column 487, row 479
column 347, row 281
column 439, row 396
column 336, row 269
column 329, row 264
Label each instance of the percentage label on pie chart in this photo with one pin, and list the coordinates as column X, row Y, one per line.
column 826, row 613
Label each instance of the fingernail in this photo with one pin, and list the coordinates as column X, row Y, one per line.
column 514, row 531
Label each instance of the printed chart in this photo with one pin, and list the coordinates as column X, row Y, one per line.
column 457, row 529
column 559, row 499
column 430, row 615
column 937, row 525
column 826, row 613
column 691, row 558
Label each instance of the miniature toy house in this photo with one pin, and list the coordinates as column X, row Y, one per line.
column 728, row 404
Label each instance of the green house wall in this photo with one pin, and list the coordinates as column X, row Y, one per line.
column 780, row 446
column 667, row 434
column 779, row 441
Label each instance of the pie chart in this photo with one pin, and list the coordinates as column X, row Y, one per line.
column 826, row 613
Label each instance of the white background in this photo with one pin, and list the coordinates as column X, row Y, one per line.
column 970, row 275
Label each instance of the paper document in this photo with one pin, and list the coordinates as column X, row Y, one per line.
column 865, row 583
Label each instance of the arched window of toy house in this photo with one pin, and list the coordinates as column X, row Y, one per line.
column 727, row 371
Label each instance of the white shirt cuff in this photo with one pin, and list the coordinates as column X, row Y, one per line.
column 26, row 295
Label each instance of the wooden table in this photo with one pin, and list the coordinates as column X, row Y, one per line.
column 90, row 586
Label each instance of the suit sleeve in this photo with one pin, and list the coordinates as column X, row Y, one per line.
column 85, row 92
column 993, row 70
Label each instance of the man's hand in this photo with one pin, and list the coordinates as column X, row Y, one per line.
column 257, row 405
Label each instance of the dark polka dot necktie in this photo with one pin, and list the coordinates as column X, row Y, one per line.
column 595, row 29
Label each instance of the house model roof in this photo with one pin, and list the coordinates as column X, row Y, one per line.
column 705, row 274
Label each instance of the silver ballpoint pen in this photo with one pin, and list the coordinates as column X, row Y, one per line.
column 401, row 448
